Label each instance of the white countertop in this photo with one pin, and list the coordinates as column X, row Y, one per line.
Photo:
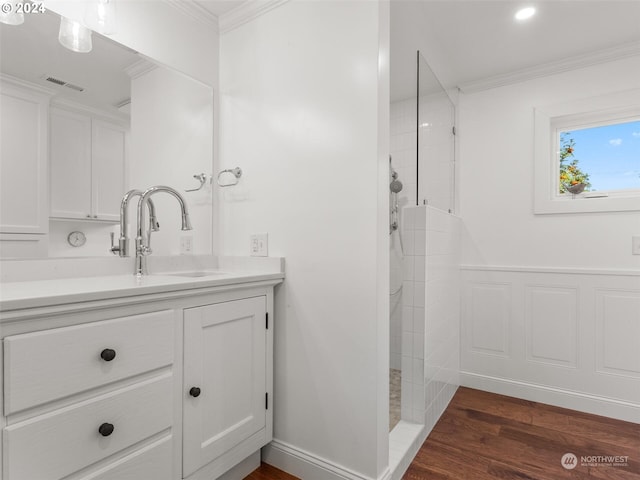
column 15, row 295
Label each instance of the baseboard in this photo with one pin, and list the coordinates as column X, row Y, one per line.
column 307, row 466
column 242, row 469
column 558, row 397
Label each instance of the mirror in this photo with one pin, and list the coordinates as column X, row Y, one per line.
column 167, row 118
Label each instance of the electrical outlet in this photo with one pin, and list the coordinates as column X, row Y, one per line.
column 259, row 245
column 186, row 245
column 635, row 245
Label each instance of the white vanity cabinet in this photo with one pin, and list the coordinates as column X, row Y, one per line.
column 88, row 163
column 164, row 386
column 225, row 380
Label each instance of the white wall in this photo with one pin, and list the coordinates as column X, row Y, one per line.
column 496, row 191
column 301, row 105
column 542, row 294
column 171, row 140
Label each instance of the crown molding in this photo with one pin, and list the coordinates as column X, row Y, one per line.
column 196, row 12
column 109, row 115
column 247, row 11
column 139, row 68
column 19, row 82
column 601, row 56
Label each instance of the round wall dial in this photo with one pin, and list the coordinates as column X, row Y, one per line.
column 76, row 239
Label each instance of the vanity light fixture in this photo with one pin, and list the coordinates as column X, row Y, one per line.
column 525, row 13
column 74, row 36
column 12, row 13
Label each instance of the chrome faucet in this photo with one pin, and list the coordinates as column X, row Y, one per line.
column 143, row 248
column 122, row 248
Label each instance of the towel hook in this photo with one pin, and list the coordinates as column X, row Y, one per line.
column 237, row 172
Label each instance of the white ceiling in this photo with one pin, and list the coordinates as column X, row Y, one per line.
column 463, row 41
column 470, row 40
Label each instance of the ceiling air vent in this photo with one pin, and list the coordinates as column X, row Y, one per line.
column 63, row 83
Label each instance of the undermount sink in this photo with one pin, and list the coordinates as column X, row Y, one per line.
column 194, row 274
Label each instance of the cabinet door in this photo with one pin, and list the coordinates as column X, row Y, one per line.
column 225, row 357
column 23, row 161
column 70, row 164
column 108, row 156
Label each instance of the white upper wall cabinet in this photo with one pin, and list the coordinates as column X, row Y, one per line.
column 88, row 158
column 23, row 160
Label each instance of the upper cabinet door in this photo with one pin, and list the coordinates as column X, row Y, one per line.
column 23, row 161
column 108, row 160
column 70, row 164
column 225, row 360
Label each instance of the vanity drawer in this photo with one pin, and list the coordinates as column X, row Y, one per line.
column 62, row 442
column 154, row 462
column 43, row 366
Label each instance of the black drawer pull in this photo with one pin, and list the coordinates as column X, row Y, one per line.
column 106, row 429
column 108, row 354
column 194, row 392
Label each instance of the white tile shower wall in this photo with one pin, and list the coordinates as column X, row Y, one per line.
column 430, row 313
column 403, row 152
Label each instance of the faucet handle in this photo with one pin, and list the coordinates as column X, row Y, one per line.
column 114, row 249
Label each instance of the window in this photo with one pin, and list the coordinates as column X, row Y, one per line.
column 587, row 159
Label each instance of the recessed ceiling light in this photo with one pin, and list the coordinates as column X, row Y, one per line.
column 525, row 13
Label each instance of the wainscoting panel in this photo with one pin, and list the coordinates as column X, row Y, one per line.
column 489, row 315
column 551, row 325
column 618, row 327
column 568, row 337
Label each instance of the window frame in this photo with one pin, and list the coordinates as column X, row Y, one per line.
column 549, row 122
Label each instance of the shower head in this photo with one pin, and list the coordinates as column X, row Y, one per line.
column 395, row 186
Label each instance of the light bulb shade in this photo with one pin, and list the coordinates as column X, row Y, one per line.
column 100, row 16
column 10, row 14
column 74, row 36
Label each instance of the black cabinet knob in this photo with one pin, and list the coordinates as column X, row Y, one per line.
column 106, row 429
column 108, row 354
column 194, row 392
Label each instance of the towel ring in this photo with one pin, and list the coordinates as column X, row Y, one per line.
column 237, row 172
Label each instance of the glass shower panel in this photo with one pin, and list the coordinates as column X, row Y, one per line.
column 436, row 145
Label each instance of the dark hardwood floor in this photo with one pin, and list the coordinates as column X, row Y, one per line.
column 483, row 436
column 267, row 472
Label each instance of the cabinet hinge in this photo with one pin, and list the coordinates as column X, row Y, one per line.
column 266, row 400
column 266, row 317
column 453, row 130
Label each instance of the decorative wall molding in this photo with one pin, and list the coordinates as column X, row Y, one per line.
column 573, row 337
column 560, row 270
column 602, row 56
column 617, row 332
column 247, row 11
column 551, row 325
